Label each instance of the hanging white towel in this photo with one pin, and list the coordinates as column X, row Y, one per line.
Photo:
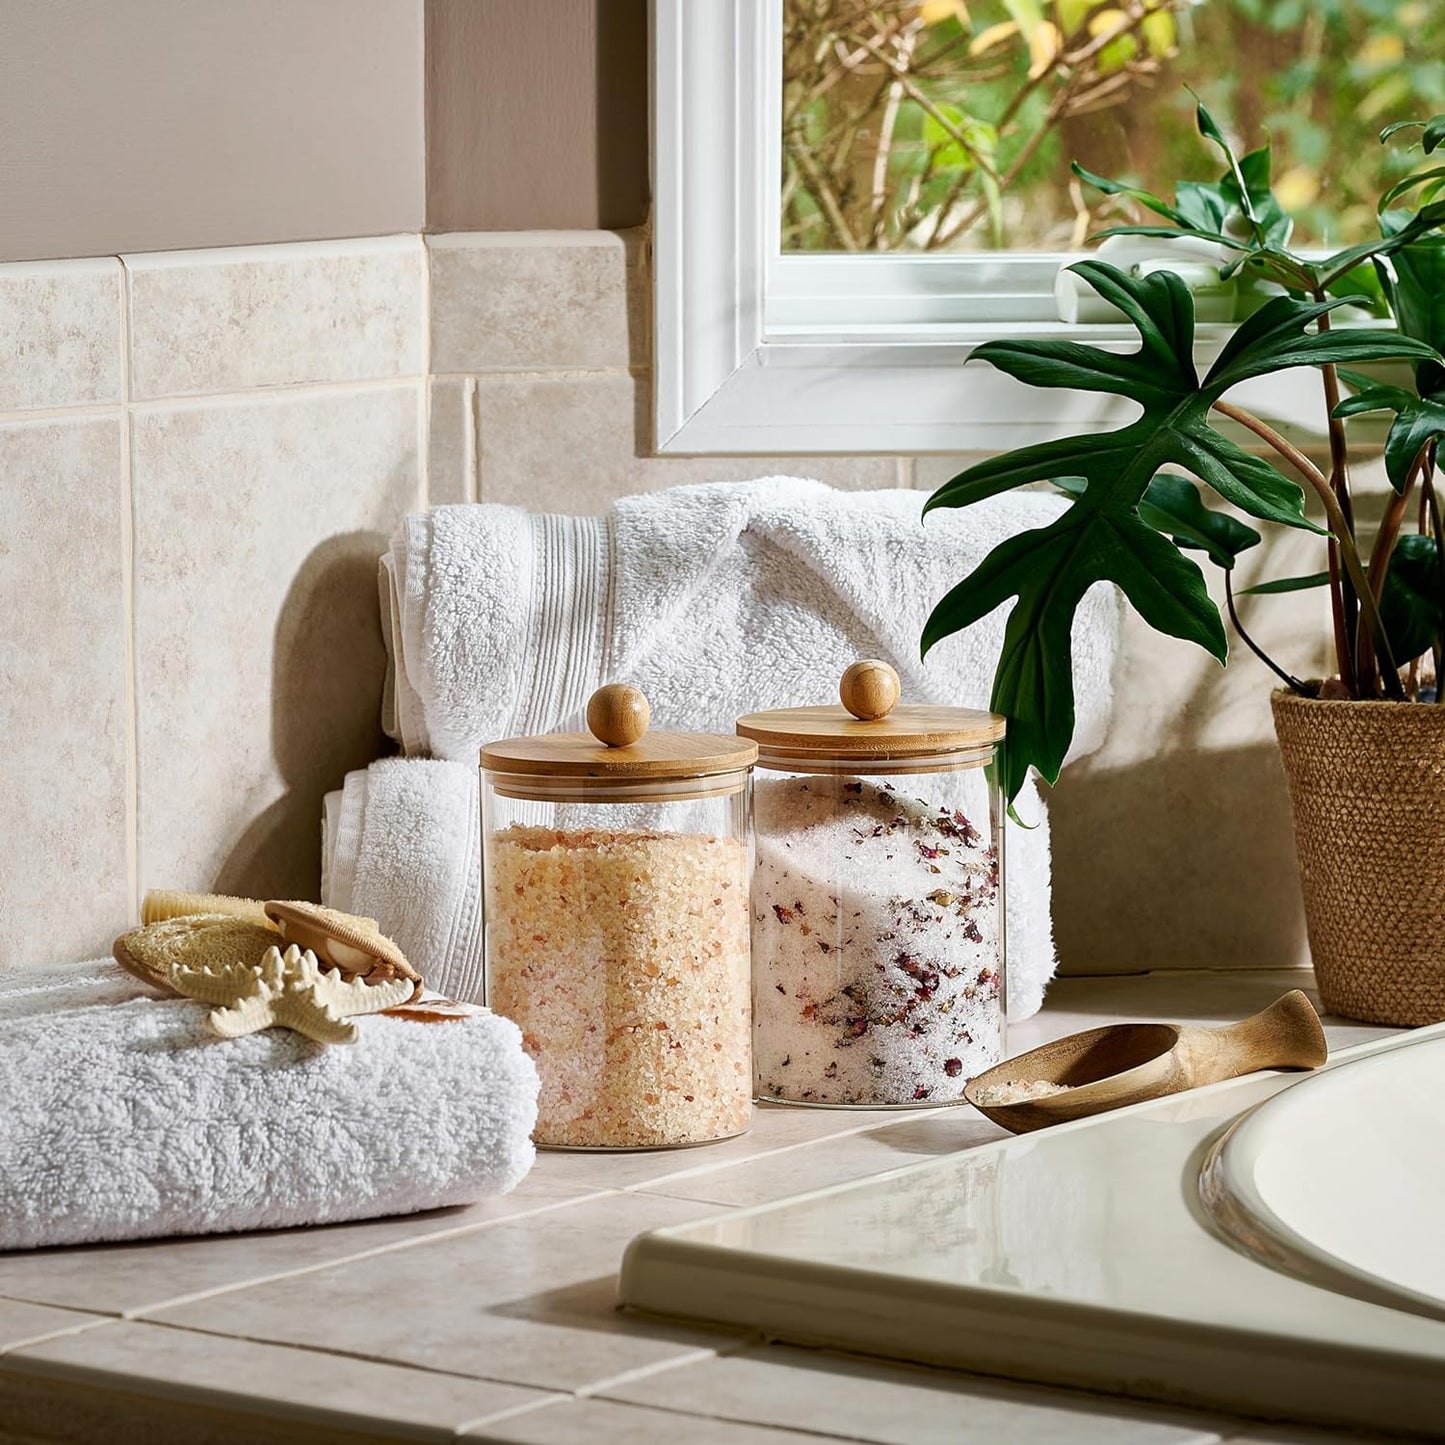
column 126, row 1118
column 716, row 600
column 401, row 843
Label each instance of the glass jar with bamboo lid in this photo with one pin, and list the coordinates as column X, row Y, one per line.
column 616, row 866
column 877, row 898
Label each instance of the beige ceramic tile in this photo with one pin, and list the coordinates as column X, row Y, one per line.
column 537, row 301
column 604, row 1422
column 916, row 1135
column 1173, row 846
column 61, row 330
column 451, row 461
column 128, row 1279
column 860, row 1399
column 1195, row 996
column 775, row 1127
column 531, row 1302
column 64, row 891
column 577, row 443
column 259, row 652
column 25, row 1324
column 266, row 1381
column 232, row 319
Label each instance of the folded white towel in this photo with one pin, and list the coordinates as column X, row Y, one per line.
column 125, row 1118
column 716, row 600
column 401, row 843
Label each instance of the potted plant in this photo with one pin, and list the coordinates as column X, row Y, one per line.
column 1364, row 750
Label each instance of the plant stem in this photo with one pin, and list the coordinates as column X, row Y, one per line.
column 1293, row 683
column 1380, row 555
column 1358, row 662
column 1349, row 554
column 1438, row 650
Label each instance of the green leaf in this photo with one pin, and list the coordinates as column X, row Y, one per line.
column 1410, row 601
column 1172, row 505
column 1169, row 233
column 1147, row 199
column 1285, row 584
column 1418, row 421
column 1398, row 234
column 1104, row 536
column 1434, row 129
column 1403, row 188
column 1358, row 284
column 1414, row 283
column 1049, row 569
column 1274, row 338
column 1242, row 194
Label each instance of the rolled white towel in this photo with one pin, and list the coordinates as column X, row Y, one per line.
column 130, row 1120
column 401, row 843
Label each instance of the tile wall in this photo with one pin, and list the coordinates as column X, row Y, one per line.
column 201, row 457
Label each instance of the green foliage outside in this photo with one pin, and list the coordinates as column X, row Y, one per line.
column 950, row 124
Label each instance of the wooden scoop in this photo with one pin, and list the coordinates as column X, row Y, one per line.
column 1123, row 1064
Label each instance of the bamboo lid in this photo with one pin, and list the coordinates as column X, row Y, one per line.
column 870, row 724
column 619, row 748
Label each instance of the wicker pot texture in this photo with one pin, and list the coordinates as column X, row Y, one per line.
column 1367, row 781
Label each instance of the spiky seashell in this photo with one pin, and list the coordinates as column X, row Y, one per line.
column 289, row 990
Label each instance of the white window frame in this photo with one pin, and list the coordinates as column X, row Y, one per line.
column 757, row 353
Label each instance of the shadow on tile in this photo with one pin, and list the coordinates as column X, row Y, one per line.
column 1186, row 860
column 327, row 677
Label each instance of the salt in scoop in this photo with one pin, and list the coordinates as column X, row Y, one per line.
column 1107, row 1068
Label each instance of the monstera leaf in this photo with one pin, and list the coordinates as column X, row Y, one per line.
column 1102, row 536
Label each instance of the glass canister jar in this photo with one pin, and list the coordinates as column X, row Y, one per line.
column 877, row 898
column 616, row 868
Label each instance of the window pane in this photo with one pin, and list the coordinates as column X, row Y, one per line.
column 949, row 125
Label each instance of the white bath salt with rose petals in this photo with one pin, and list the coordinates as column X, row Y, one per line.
column 876, row 943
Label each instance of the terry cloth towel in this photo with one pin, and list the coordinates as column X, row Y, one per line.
column 401, row 842
column 126, row 1118
column 716, row 600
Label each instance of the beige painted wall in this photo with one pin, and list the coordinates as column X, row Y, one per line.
column 165, row 124
column 536, row 114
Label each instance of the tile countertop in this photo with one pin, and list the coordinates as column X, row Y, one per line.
column 497, row 1323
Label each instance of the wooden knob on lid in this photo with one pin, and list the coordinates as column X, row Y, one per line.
column 869, row 689
column 618, row 715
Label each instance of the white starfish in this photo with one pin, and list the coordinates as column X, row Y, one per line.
column 289, row 990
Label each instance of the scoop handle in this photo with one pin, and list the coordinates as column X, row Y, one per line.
column 1286, row 1035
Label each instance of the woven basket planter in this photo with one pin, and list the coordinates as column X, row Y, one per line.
column 1367, row 781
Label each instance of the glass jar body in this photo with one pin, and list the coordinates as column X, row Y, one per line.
column 878, row 931
column 617, row 939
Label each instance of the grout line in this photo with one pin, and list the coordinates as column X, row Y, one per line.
column 497, row 1416
column 260, row 395
column 555, row 373
column 425, row 392
column 905, row 1116
column 16, row 1346
column 132, row 687
column 424, row 423
column 699, row 1356
column 472, row 440
column 83, row 411
column 144, row 1312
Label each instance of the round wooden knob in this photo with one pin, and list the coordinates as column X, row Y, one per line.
column 869, row 689
column 617, row 714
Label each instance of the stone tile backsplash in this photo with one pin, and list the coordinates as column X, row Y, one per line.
column 203, row 454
